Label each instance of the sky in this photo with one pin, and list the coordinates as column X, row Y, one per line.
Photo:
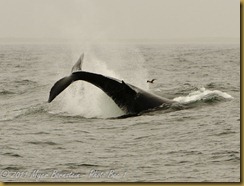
column 119, row 19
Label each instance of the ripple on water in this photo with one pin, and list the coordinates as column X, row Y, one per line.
column 12, row 154
column 82, row 165
column 13, row 168
column 6, row 92
column 42, row 143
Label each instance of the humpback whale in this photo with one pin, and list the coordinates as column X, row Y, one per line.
column 131, row 99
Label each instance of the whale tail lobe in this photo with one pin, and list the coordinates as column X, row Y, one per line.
column 78, row 64
column 59, row 86
column 63, row 83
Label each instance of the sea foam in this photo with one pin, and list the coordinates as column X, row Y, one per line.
column 201, row 94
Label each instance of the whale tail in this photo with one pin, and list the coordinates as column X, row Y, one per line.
column 128, row 97
column 112, row 87
column 63, row 83
column 59, row 86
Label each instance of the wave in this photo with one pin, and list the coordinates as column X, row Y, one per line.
column 13, row 168
column 42, row 143
column 6, row 92
column 25, row 111
column 17, row 87
column 77, row 165
column 12, row 154
column 25, row 82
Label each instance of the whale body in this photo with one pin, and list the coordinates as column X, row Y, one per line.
column 129, row 98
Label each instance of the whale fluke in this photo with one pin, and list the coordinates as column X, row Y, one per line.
column 78, row 64
column 129, row 98
column 59, row 86
column 63, row 83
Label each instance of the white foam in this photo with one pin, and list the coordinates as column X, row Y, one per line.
column 200, row 94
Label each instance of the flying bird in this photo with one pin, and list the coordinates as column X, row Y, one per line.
column 148, row 81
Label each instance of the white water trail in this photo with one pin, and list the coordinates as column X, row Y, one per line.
column 201, row 94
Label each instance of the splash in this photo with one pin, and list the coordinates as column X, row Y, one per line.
column 84, row 99
column 201, row 94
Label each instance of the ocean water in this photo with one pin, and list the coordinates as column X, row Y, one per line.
column 78, row 137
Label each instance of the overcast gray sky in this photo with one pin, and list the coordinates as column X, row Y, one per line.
column 119, row 19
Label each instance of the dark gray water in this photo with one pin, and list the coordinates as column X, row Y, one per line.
column 76, row 138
